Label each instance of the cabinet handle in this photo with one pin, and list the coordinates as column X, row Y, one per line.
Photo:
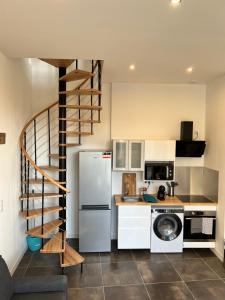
column 199, row 218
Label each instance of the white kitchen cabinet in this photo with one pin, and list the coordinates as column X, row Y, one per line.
column 136, row 155
column 160, row 150
column 128, row 155
column 120, row 155
column 134, row 224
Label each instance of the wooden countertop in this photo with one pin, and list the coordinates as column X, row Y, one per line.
column 169, row 201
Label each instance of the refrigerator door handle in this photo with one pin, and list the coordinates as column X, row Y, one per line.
column 95, row 207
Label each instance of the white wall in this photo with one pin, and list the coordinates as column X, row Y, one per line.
column 154, row 111
column 215, row 154
column 44, row 84
column 15, row 101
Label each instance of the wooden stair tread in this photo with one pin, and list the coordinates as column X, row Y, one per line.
column 33, row 213
column 58, row 63
column 56, row 156
column 39, row 181
column 84, row 107
column 81, row 92
column 69, row 145
column 70, row 257
column 76, row 133
column 54, row 245
column 79, row 120
column 47, row 228
column 76, row 75
column 52, row 168
column 33, row 196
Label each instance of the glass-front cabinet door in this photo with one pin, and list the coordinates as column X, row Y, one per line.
column 136, row 155
column 120, row 155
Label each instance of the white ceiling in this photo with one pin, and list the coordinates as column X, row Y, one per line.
column 159, row 39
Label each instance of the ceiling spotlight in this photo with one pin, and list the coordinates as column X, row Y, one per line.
column 189, row 70
column 175, row 2
column 132, row 67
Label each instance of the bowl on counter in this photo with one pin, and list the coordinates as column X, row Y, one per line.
column 149, row 198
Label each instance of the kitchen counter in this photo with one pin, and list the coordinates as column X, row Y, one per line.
column 169, row 201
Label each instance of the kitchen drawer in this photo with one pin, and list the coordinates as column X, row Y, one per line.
column 135, row 211
column 134, row 238
column 134, row 222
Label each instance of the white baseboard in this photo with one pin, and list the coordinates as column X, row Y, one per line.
column 18, row 259
column 199, row 245
column 218, row 254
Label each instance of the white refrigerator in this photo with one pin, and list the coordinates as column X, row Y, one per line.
column 95, row 193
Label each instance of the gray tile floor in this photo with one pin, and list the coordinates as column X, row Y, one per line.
column 136, row 275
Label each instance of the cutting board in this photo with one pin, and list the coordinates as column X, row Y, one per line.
column 129, row 184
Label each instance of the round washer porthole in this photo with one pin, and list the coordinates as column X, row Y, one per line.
column 167, row 227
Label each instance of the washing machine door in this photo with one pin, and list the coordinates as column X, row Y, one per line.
column 167, row 227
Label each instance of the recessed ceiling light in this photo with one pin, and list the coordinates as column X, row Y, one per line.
column 132, row 67
column 175, row 2
column 190, row 69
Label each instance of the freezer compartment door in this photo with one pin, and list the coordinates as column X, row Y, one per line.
column 94, row 178
column 95, row 230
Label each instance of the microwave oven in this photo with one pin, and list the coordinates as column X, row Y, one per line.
column 159, row 170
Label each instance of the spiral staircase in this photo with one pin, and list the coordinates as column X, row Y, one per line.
column 44, row 142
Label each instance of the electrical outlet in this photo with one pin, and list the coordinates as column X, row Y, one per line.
column 1, row 205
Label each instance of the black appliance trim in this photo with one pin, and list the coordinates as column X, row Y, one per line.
column 168, row 210
column 188, row 235
column 95, row 207
column 190, row 148
column 169, row 165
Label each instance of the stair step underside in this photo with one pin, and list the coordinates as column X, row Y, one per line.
column 81, row 92
column 47, row 228
column 57, row 156
column 38, row 212
column 52, row 168
column 79, row 120
column 76, row 133
column 69, row 145
column 39, row 181
column 76, row 75
column 54, row 245
column 70, row 257
column 83, row 107
column 36, row 196
column 58, row 63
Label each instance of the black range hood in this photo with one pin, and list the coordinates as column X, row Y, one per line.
column 190, row 148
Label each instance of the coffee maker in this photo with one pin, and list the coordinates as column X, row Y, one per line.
column 161, row 195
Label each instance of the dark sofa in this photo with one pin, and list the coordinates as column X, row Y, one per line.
column 31, row 288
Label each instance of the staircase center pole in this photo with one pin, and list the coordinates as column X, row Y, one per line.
column 62, row 149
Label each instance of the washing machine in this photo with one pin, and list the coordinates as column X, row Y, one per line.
column 167, row 229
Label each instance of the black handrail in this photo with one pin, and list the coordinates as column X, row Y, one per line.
column 27, row 191
column 79, row 117
column 21, row 177
column 49, row 139
column 42, row 209
column 99, row 87
column 35, row 147
column 92, row 85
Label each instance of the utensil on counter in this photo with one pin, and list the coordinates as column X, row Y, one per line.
column 171, row 188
